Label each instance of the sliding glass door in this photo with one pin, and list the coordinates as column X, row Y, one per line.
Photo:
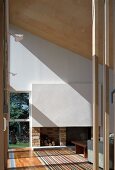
column 19, row 123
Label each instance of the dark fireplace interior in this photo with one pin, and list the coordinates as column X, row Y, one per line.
column 49, row 136
column 77, row 133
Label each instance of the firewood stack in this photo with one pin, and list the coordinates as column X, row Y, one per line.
column 46, row 141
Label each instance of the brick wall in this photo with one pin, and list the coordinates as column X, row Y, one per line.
column 35, row 136
column 62, row 136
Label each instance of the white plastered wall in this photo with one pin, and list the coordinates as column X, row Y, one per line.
column 37, row 61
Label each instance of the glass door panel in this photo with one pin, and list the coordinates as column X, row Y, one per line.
column 19, row 124
column 19, row 105
column 18, row 134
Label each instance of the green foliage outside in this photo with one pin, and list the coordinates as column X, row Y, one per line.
column 19, row 145
column 19, row 131
column 19, row 105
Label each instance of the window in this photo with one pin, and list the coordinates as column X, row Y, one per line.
column 19, row 131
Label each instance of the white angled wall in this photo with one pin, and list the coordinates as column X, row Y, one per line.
column 62, row 105
column 37, row 61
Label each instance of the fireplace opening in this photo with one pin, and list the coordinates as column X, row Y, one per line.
column 49, row 136
column 59, row 136
column 77, row 134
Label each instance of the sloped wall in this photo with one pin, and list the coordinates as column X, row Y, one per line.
column 37, row 61
column 62, row 105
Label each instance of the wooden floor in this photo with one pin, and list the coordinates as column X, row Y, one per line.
column 27, row 159
column 23, row 159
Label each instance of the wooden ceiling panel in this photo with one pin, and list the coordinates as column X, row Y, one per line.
column 67, row 23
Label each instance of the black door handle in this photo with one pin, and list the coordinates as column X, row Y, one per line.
column 112, row 93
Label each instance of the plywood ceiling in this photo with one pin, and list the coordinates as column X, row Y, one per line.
column 67, row 23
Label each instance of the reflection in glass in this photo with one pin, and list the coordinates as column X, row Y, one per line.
column 19, row 105
column 18, row 134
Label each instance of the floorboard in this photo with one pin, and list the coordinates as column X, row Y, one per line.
column 46, row 159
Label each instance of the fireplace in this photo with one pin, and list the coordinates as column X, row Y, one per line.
column 48, row 136
column 59, row 136
column 77, row 134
